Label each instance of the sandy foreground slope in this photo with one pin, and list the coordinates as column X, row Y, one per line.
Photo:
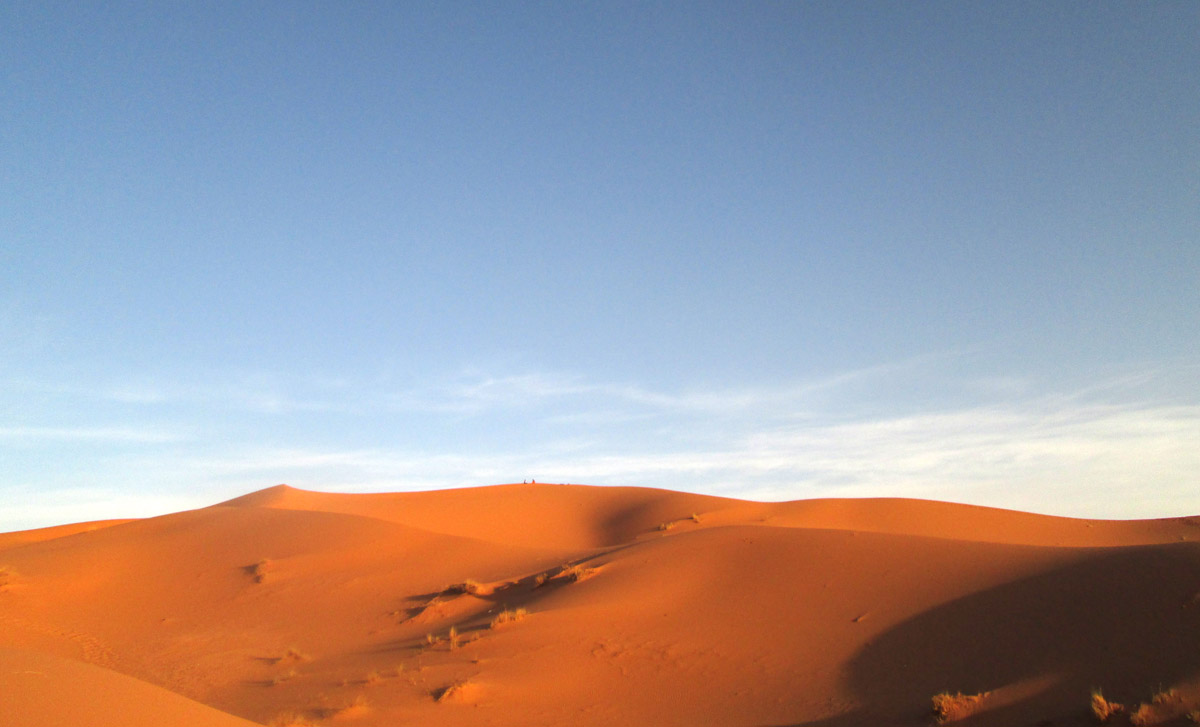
column 572, row 605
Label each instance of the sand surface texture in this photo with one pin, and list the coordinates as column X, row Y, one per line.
column 571, row 605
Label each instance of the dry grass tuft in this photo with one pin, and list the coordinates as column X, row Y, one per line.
column 506, row 617
column 372, row 678
column 667, row 526
column 453, row 637
column 427, row 611
column 576, row 573
column 695, row 518
column 1162, row 707
column 7, row 576
column 288, row 675
column 950, row 707
column 1102, row 709
column 474, row 588
column 1194, row 716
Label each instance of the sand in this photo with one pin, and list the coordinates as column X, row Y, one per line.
column 565, row 604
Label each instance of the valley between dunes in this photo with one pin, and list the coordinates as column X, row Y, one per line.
column 572, row 605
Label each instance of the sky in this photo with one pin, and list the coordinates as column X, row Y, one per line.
column 762, row 250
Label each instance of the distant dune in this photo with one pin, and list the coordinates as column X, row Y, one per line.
column 572, row 605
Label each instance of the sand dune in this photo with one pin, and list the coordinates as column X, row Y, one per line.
column 40, row 690
column 557, row 604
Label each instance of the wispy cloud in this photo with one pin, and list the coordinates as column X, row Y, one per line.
column 1100, row 450
column 471, row 392
column 88, row 434
column 478, row 392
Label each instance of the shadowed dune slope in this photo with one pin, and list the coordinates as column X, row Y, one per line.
column 556, row 516
column 547, row 604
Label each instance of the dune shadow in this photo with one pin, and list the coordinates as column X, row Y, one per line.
column 1125, row 620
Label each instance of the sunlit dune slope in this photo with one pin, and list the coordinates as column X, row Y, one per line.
column 549, row 604
column 24, row 537
column 40, row 690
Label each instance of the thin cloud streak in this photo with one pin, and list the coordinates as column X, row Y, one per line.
column 86, row 434
column 474, row 392
column 1072, row 453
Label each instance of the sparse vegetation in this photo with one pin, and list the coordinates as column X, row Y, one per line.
column 474, row 588
column 1194, row 716
column 576, row 573
column 508, row 616
column 1102, row 709
column 259, row 570
column 950, row 707
column 1163, row 706
column 453, row 638
column 284, row 677
column 372, row 678
column 428, row 610
column 695, row 518
column 7, row 575
column 667, row 525
column 292, row 656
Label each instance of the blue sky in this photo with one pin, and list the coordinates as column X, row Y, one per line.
column 766, row 250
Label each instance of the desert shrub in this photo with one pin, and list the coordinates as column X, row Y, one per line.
column 576, row 573
column 1102, row 709
column 950, row 707
column 474, row 588
column 506, row 617
column 1162, row 707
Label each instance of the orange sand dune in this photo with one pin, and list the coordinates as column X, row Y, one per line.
column 565, row 604
column 40, row 690
column 23, row 537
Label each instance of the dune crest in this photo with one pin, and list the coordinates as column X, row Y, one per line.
column 555, row 604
